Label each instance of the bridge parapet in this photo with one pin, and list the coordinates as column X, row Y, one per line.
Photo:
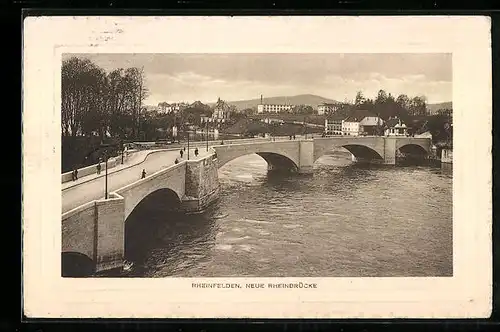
column 280, row 154
column 172, row 177
column 374, row 148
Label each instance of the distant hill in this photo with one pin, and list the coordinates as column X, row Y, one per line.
column 306, row 99
column 434, row 107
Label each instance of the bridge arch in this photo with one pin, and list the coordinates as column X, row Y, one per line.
column 362, row 152
column 363, row 148
column 279, row 157
column 76, row 264
column 143, row 221
column 412, row 148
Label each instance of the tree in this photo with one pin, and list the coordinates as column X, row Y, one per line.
column 81, row 86
column 381, row 97
column 302, row 109
column 417, row 106
column 97, row 103
column 360, row 99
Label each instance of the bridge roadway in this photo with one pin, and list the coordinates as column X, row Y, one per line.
column 91, row 187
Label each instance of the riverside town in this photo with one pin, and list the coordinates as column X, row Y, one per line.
column 256, row 165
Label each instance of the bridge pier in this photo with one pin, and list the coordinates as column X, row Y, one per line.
column 202, row 185
column 306, row 156
column 390, row 151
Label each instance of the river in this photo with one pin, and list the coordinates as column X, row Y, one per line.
column 345, row 220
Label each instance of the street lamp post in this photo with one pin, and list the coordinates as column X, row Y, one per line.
column 123, row 150
column 188, row 144
column 305, row 128
column 106, row 177
column 207, row 132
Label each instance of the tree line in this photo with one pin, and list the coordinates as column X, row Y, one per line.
column 385, row 105
column 97, row 103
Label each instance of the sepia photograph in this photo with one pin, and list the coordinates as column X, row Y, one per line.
column 257, row 167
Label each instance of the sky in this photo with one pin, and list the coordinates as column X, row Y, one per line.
column 232, row 77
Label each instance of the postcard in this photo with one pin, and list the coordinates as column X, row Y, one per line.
column 257, row 167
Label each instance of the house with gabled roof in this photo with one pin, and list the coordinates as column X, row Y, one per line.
column 396, row 127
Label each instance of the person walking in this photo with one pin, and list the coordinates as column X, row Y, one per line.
column 143, row 174
column 176, row 161
column 182, row 152
column 98, row 168
column 196, row 152
column 76, row 174
column 73, row 175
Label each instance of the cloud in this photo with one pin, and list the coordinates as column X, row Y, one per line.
column 177, row 77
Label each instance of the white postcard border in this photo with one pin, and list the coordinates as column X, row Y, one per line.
column 466, row 294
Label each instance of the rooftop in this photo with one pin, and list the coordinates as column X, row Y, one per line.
column 359, row 115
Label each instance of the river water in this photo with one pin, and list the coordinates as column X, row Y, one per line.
column 345, row 220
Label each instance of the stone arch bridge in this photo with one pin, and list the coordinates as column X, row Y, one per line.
column 96, row 229
column 300, row 155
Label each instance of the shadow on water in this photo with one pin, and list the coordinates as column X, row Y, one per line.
column 157, row 237
column 74, row 264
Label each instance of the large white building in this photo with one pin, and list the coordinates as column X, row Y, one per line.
column 350, row 127
column 326, row 108
column 333, row 125
column 274, row 108
column 169, row 108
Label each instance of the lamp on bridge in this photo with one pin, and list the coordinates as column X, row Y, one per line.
column 305, row 127
column 188, row 134
column 206, row 126
column 106, row 175
column 122, row 148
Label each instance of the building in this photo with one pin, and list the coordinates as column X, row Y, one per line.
column 326, row 108
column 274, row 108
column 351, row 126
column 151, row 108
column 221, row 112
column 272, row 120
column 395, row 127
column 333, row 125
column 371, row 125
column 167, row 108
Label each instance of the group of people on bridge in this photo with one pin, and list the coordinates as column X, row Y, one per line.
column 181, row 152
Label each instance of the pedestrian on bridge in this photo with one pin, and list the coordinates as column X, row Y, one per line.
column 75, row 174
column 196, row 152
column 98, row 168
column 176, row 160
column 182, row 152
column 143, row 174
